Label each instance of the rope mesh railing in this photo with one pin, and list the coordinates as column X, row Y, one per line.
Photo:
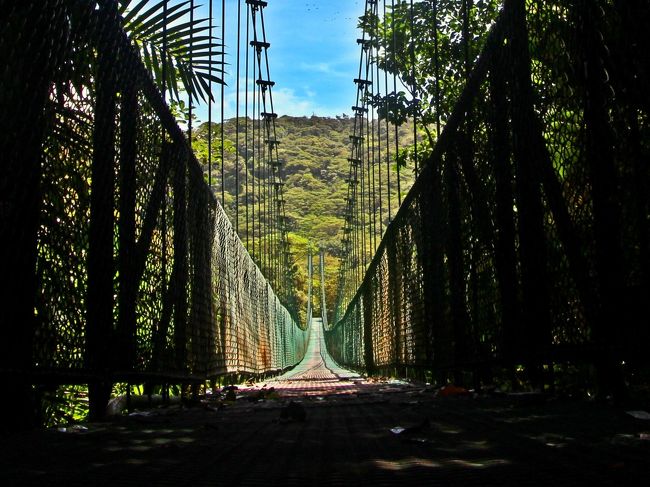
column 525, row 238
column 127, row 267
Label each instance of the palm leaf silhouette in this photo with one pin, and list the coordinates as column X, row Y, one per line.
column 186, row 47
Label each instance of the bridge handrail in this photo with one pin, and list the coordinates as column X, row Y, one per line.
column 138, row 271
column 496, row 254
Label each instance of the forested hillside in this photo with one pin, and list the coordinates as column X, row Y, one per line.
column 314, row 152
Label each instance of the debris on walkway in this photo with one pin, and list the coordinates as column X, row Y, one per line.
column 639, row 414
column 451, row 390
column 293, row 412
column 308, row 427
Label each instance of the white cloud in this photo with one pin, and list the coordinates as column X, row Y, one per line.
column 324, row 68
column 327, row 69
column 286, row 101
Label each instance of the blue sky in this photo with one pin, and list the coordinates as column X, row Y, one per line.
column 313, row 56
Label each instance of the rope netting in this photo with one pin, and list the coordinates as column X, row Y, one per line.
column 524, row 239
column 125, row 263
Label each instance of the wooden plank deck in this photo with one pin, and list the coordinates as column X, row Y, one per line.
column 345, row 439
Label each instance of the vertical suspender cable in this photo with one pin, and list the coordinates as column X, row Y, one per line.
column 263, row 164
column 378, row 161
column 362, row 148
column 351, row 207
column 310, row 280
column 399, row 177
column 210, row 99
column 390, row 213
column 372, row 191
column 354, row 240
column 362, row 184
column 237, row 114
column 257, row 128
column 370, row 145
column 267, row 205
column 354, row 218
column 246, row 85
column 264, row 167
column 164, row 53
column 163, row 229
column 268, row 199
column 260, row 160
column 189, row 92
column 253, row 150
column 436, row 56
column 275, row 187
column 370, row 149
column 414, row 90
column 256, row 146
column 466, row 7
column 353, row 183
column 223, row 64
column 361, row 195
column 322, row 288
column 364, row 158
column 253, row 139
column 365, row 170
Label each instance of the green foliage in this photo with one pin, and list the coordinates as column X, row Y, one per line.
column 410, row 155
column 201, row 147
column 394, row 107
column 62, row 405
column 433, row 73
column 186, row 46
column 314, row 151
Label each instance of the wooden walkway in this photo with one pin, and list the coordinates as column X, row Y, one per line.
column 354, row 433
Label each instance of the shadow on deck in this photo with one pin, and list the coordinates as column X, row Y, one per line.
column 355, row 432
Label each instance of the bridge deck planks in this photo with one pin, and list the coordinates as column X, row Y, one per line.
column 345, row 440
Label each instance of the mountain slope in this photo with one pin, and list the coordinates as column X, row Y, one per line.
column 314, row 152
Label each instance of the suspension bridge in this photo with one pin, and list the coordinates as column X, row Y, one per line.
column 514, row 261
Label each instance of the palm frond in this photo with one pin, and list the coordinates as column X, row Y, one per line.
column 128, row 16
column 190, row 66
column 157, row 23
